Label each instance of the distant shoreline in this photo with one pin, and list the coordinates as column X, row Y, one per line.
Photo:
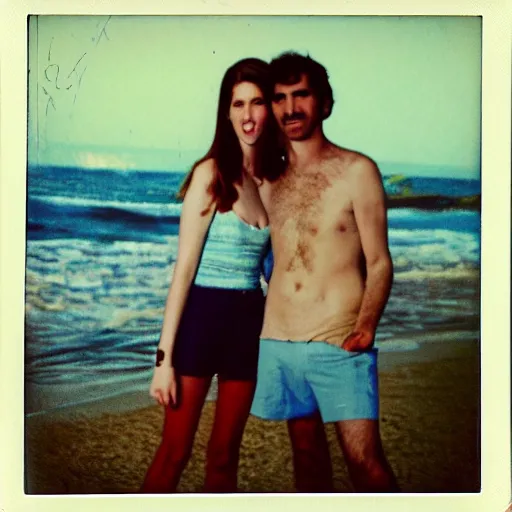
column 388, row 170
column 435, row 202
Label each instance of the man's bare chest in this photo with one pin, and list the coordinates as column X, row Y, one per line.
column 299, row 196
column 309, row 202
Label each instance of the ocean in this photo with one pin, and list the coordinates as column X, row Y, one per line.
column 101, row 245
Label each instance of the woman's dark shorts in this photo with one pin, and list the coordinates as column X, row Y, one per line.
column 219, row 333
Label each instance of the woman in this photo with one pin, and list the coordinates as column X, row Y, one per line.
column 214, row 309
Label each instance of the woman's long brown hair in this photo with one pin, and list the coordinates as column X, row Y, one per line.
column 225, row 149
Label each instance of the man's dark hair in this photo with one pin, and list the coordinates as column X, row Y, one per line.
column 287, row 69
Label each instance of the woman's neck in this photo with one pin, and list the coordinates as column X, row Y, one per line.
column 249, row 158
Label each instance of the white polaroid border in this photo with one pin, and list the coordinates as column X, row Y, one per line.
column 496, row 124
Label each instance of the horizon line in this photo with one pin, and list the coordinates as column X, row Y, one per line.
column 475, row 173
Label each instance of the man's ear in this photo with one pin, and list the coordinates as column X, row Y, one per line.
column 327, row 109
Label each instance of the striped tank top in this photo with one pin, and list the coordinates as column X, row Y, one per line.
column 233, row 254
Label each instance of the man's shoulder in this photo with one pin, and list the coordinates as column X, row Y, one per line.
column 350, row 162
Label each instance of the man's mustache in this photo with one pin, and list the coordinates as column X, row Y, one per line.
column 296, row 116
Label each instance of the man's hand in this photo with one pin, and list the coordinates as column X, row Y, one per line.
column 358, row 341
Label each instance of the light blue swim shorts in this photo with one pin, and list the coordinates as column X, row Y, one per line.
column 297, row 378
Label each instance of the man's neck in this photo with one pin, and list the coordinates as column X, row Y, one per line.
column 301, row 152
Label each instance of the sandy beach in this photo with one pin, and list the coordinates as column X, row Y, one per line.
column 430, row 403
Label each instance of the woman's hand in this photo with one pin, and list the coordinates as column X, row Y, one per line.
column 163, row 386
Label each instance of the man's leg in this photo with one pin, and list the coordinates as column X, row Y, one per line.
column 311, row 459
column 364, row 456
column 282, row 392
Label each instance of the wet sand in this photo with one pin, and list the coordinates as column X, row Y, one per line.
column 430, row 403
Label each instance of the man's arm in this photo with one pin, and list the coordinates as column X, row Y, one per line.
column 369, row 204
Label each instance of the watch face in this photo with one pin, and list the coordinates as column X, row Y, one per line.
column 160, row 354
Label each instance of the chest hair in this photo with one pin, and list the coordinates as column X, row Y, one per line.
column 295, row 212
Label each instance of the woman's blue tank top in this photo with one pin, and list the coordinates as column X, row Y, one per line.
column 233, row 253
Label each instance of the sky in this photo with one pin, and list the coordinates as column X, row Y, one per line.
column 141, row 92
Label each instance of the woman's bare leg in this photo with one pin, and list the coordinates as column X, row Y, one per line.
column 232, row 410
column 178, row 434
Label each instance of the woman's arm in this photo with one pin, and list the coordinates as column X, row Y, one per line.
column 267, row 264
column 196, row 215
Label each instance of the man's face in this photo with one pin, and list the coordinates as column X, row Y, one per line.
column 296, row 109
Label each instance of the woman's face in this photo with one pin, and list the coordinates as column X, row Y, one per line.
column 248, row 112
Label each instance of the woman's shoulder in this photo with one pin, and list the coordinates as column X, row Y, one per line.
column 205, row 171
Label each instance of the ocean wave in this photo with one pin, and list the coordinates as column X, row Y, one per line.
column 40, row 210
column 457, row 272
column 418, row 237
column 102, row 221
column 416, row 221
column 397, row 345
column 147, row 208
column 400, row 213
column 68, row 274
column 98, row 300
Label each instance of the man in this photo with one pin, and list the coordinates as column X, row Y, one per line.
column 330, row 283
